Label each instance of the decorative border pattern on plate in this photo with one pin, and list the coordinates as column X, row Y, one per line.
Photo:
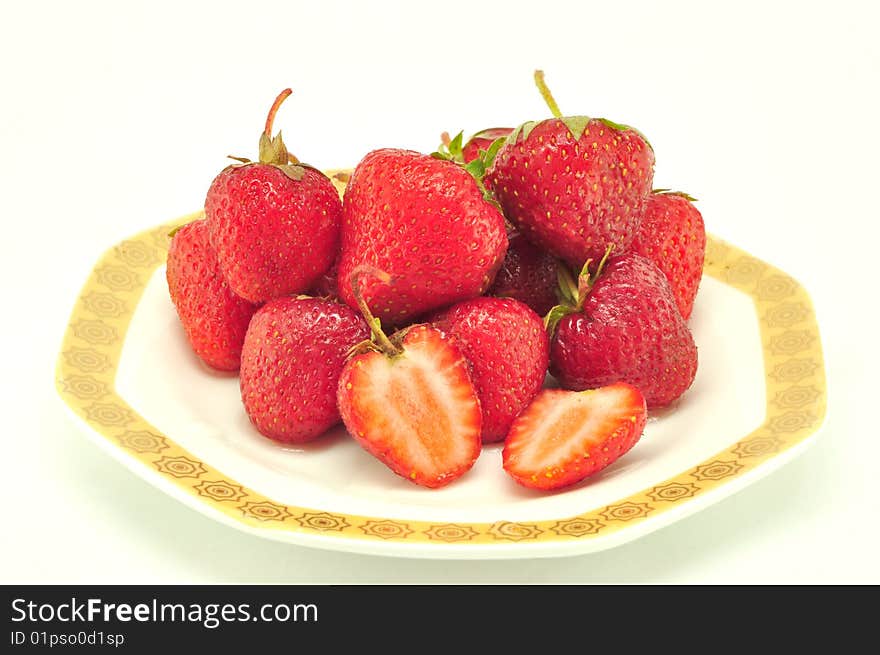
column 90, row 354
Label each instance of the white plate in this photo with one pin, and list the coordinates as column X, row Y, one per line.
column 128, row 376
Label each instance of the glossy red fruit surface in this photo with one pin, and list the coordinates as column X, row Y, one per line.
column 425, row 222
column 574, row 185
column 673, row 236
column 214, row 318
column 292, row 357
column 274, row 235
column 507, row 347
column 527, row 274
column 629, row 330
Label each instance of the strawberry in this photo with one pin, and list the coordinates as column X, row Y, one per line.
column 672, row 235
column 507, row 347
column 214, row 318
column 573, row 185
column 481, row 142
column 622, row 324
column 566, row 436
column 275, row 225
column 293, row 355
column 528, row 274
column 326, row 286
column 425, row 222
column 411, row 403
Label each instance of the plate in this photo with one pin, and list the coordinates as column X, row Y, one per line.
column 128, row 377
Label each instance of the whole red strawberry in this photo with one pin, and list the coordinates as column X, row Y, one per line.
column 292, row 357
column 673, row 236
column 573, row 185
column 274, row 224
column 507, row 347
column 426, row 223
column 623, row 325
column 528, row 274
column 214, row 318
column 410, row 401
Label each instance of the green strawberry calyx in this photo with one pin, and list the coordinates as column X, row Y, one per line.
column 378, row 340
column 669, row 192
column 576, row 125
column 452, row 150
column 573, row 293
column 273, row 152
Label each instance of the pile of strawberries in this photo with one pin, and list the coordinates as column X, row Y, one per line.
column 425, row 308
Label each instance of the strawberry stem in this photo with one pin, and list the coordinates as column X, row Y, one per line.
column 375, row 325
column 274, row 110
column 272, row 148
column 586, row 280
column 602, row 262
column 568, row 288
column 545, row 93
column 572, row 295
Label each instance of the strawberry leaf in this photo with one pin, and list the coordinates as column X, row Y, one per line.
column 450, row 149
column 615, row 126
column 527, row 129
column 476, row 168
column 556, row 314
column 568, row 288
column 623, row 128
column 293, row 171
column 488, row 156
column 522, row 131
column 273, row 150
column 669, row 192
column 569, row 294
column 455, row 145
column 576, row 125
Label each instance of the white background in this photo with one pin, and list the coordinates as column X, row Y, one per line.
column 116, row 116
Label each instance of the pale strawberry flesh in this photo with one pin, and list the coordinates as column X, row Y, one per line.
column 417, row 412
column 564, row 437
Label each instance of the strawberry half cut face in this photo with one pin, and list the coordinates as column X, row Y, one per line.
column 566, row 436
column 417, row 410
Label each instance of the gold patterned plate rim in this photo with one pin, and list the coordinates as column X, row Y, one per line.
column 795, row 409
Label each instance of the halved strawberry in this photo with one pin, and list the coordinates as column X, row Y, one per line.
column 410, row 402
column 566, row 436
column 416, row 411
